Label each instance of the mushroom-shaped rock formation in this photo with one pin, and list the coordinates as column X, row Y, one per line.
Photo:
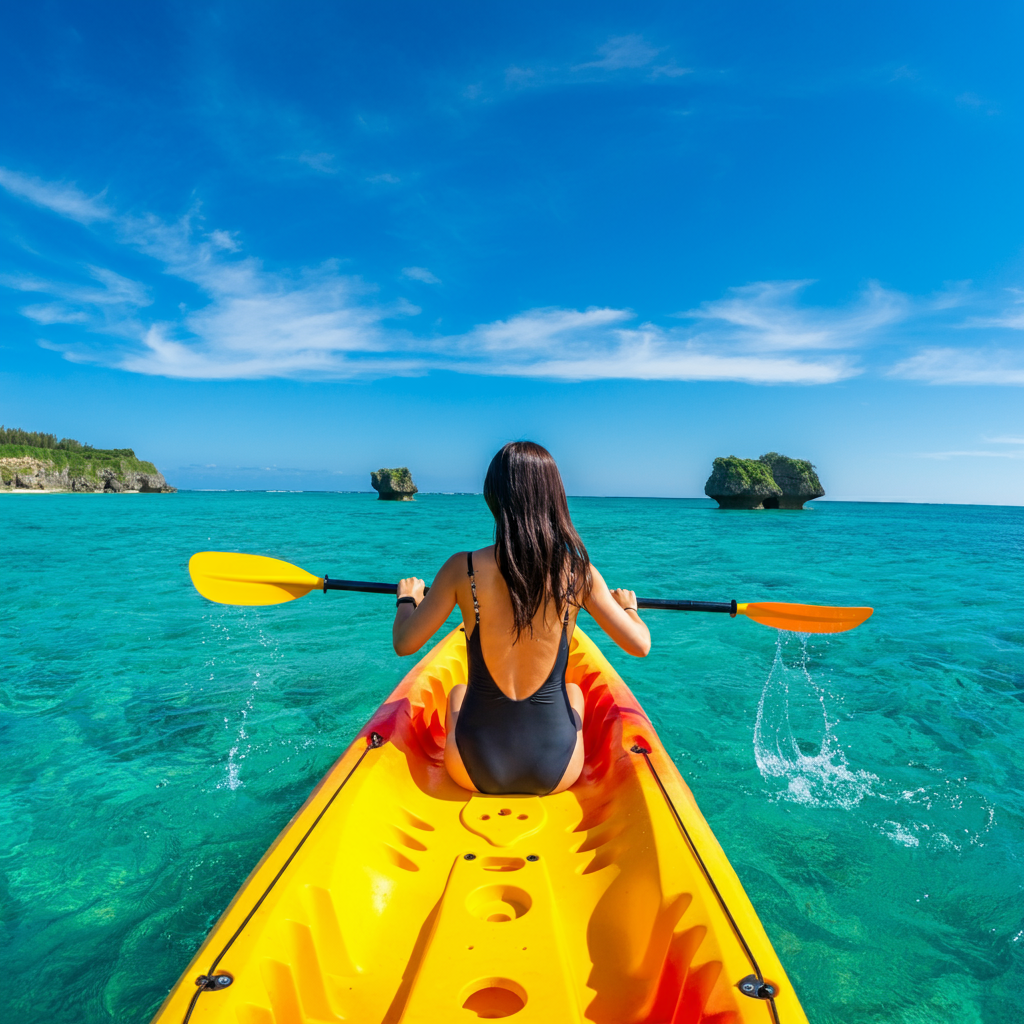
column 772, row 481
column 742, row 483
column 797, row 479
column 393, row 484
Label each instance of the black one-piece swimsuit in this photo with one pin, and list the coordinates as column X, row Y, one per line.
column 514, row 746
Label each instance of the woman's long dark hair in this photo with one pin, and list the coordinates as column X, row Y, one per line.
column 539, row 553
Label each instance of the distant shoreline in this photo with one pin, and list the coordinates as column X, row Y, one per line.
column 52, row 490
column 477, row 494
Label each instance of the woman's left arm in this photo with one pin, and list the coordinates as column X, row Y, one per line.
column 416, row 624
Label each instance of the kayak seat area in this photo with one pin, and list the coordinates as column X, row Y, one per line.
column 415, row 901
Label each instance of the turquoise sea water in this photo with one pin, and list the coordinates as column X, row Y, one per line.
column 867, row 786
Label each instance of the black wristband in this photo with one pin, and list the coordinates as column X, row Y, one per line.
column 631, row 609
column 406, row 600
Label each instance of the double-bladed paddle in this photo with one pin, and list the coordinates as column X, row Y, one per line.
column 230, row 578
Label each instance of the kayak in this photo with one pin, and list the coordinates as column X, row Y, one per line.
column 395, row 896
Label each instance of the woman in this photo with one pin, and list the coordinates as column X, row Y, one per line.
column 517, row 726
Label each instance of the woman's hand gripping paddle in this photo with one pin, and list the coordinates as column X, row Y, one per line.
column 230, row 578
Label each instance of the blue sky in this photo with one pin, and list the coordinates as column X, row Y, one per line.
column 283, row 244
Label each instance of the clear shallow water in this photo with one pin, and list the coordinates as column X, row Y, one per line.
column 867, row 786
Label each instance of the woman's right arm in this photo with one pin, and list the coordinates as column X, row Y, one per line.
column 615, row 612
column 416, row 623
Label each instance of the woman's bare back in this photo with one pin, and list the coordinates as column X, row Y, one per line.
column 517, row 668
column 520, row 667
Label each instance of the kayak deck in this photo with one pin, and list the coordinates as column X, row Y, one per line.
column 412, row 900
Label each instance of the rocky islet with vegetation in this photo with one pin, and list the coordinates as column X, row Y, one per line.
column 32, row 461
column 772, row 481
column 393, row 484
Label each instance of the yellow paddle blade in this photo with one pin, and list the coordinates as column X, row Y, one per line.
column 805, row 618
column 230, row 578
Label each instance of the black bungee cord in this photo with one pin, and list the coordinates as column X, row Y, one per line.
column 753, row 986
column 213, row 982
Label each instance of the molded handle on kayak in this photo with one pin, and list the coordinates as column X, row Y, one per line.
column 688, row 606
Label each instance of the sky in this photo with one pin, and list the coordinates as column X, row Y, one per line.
column 280, row 245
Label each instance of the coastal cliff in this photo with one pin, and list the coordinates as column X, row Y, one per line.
column 772, row 481
column 393, row 484
column 26, row 467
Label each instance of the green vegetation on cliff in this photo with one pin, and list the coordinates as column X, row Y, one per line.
column 13, row 436
column 87, row 462
column 69, row 465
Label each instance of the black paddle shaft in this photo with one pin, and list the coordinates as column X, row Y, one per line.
column 687, row 606
column 644, row 602
column 362, row 588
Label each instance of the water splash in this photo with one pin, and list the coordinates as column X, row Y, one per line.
column 814, row 767
column 233, row 778
column 947, row 816
column 795, row 742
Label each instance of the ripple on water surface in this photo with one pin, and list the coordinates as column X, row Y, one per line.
column 866, row 786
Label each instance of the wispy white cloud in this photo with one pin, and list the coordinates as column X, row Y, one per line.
column 322, row 162
column 670, row 70
column 420, row 274
column 972, row 101
column 595, row 344
column 59, row 197
column 252, row 322
column 944, row 365
column 618, row 54
column 765, row 316
column 621, row 52
column 1010, row 317
column 257, row 323
column 904, row 72
column 1003, row 440
column 111, row 307
column 224, row 240
column 515, row 75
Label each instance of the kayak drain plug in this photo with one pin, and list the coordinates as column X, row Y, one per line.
column 752, row 986
column 213, row 982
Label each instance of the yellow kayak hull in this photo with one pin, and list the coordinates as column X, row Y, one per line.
column 395, row 896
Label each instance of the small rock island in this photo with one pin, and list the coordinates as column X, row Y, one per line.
column 33, row 461
column 772, row 481
column 393, row 484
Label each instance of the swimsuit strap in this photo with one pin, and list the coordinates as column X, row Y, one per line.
column 476, row 603
column 472, row 584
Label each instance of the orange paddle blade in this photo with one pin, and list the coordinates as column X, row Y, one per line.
column 805, row 618
column 231, row 578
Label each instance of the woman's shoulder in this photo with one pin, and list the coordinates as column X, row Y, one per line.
column 460, row 557
column 459, row 562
